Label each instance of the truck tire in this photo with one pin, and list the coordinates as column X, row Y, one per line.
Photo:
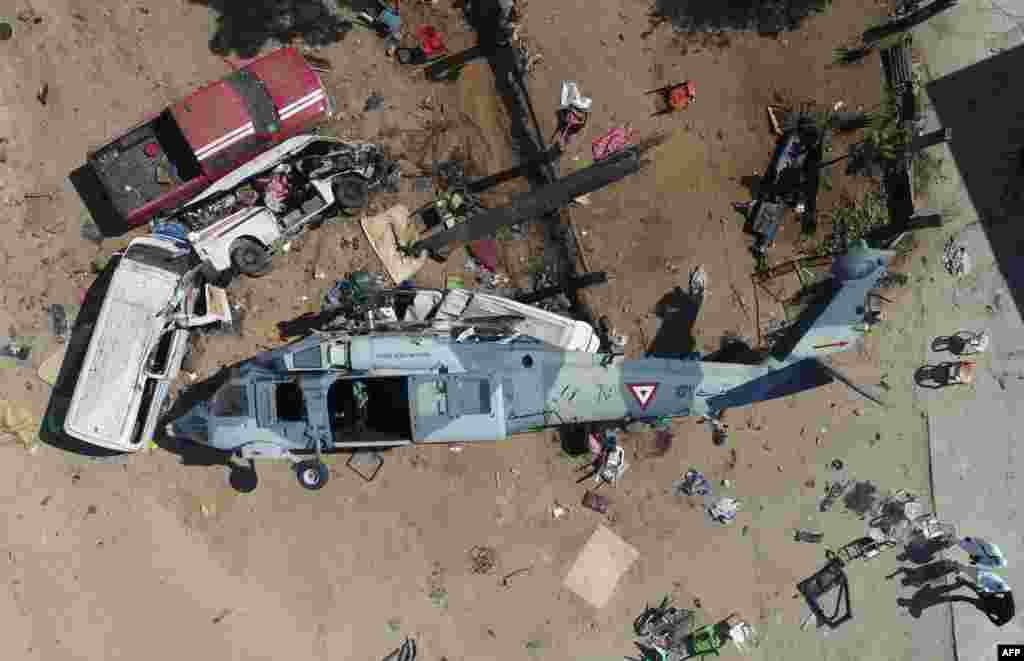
column 351, row 191
column 250, row 258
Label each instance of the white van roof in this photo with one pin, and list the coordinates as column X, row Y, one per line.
column 108, row 392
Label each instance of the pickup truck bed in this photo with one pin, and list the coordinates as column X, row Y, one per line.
column 131, row 177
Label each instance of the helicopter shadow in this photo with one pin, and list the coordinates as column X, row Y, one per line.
column 241, row 477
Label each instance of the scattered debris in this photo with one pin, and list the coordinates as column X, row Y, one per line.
column 18, row 422
column 836, row 465
column 92, row 232
column 366, row 463
column 406, row 652
column 955, row 258
column 506, row 577
column 374, row 102
column 558, row 511
column 808, row 536
column 862, row 498
column 693, row 484
column 596, row 572
column 483, row 559
column 217, row 619
column 43, row 93
column 724, row 510
column 596, row 502
column 50, row 368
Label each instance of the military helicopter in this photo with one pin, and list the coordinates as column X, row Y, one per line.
column 339, row 391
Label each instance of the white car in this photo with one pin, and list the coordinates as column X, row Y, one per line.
column 242, row 218
column 138, row 343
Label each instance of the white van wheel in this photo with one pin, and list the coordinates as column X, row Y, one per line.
column 250, row 258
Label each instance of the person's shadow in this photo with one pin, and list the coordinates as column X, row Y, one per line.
column 678, row 312
column 932, row 595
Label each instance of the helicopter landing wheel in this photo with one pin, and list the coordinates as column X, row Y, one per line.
column 312, row 474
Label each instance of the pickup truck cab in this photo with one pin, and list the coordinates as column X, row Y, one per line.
column 175, row 155
column 138, row 344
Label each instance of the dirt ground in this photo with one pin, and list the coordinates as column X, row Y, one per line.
column 152, row 557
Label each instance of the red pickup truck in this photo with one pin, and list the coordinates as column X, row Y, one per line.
column 175, row 155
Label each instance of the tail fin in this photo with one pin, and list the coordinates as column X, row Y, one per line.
column 841, row 323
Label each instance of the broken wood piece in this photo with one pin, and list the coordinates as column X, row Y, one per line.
column 774, row 120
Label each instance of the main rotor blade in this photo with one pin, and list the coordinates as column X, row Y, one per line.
column 842, row 378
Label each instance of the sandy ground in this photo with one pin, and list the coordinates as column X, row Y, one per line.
column 154, row 558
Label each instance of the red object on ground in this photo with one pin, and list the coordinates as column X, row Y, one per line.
column 152, row 149
column 431, row 41
column 682, row 95
column 485, row 251
column 611, row 142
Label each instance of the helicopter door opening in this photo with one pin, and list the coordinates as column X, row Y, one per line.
column 370, row 411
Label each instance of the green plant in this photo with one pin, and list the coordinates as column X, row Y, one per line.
column 927, row 169
column 535, row 264
column 504, row 233
column 853, row 220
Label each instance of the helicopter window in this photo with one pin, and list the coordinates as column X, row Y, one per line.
column 290, row 405
column 307, row 359
column 473, row 396
column 230, row 401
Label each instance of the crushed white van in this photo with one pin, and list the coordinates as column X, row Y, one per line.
column 138, row 344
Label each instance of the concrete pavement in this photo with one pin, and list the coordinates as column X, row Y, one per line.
column 974, row 431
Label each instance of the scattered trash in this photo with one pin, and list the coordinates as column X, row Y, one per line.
column 808, row 536
column 483, row 559
column 217, row 619
column 572, row 99
column 406, row 652
column 374, row 102
column 366, row 463
column 724, row 510
column 955, row 258
column 698, row 282
column 596, row 502
column 485, row 252
column 50, row 368
column 832, row 493
column 596, row 572
column 92, row 232
column 614, row 140
column 43, row 93
column 18, row 422
column 506, row 577
column 836, row 465
column 558, row 511
column 693, row 484
column 17, row 349
column 862, row 498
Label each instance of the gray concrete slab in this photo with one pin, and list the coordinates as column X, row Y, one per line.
column 972, row 57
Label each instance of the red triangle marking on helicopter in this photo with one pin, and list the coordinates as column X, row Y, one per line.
column 644, row 393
